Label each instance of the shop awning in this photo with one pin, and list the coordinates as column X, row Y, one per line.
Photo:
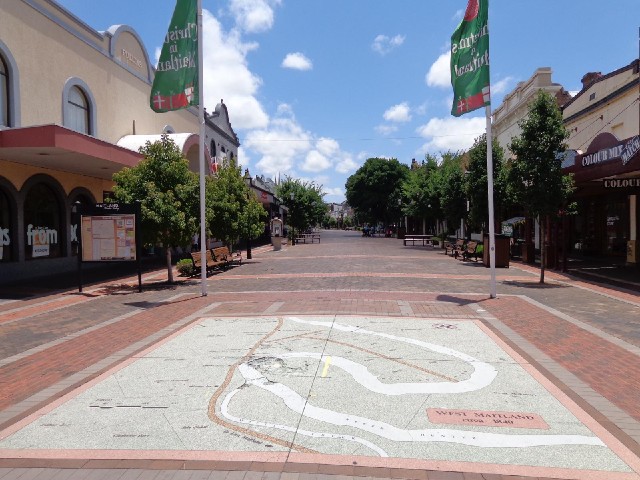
column 58, row 148
column 513, row 221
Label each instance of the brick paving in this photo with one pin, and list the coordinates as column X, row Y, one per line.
column 583, row 336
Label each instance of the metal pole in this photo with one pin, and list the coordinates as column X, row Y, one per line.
column 203, row 227
column 492, row 233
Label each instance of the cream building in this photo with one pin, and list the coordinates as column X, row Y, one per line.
column 74, row 109
column 515, row 105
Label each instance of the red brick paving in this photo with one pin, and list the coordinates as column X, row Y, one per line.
column 609, row 369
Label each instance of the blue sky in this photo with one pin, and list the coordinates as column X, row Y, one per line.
column 315, row 87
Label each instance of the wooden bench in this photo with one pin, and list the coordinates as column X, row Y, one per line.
column 471, row 250
column 308, row 238
column 223, row 254
column 422, row 239
column 454, row 249
column 212, row 262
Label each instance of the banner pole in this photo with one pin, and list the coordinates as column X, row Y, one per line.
column 203, row 227
column 492, row 233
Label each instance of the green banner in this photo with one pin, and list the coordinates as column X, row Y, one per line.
column 175, row 85
column 470, row 60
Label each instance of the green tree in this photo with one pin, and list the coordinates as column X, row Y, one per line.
column 420, row 198
column 304, row 201
column 535, row 177
column 476, row 182
column 448, row 184
column 375, row 190
column 168, row 192
column 234, row 210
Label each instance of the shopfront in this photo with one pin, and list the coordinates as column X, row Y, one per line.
column 607, row 178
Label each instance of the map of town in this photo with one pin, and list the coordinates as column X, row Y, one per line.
column 412, row 388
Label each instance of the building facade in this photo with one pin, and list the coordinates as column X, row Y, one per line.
column 604, row 124
column 74, row 109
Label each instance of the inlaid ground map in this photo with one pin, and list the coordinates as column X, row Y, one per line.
column 408, row 388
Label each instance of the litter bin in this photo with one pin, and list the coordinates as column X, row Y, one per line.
column 502, row 251
column 276, row 233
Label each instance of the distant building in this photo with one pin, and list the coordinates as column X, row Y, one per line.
column 74, row 109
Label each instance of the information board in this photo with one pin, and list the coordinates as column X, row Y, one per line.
column 108, row 238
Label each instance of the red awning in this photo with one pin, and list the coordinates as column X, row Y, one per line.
column 58, row 148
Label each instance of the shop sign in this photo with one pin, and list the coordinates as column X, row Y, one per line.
column 39, row 239
column 604, row 155
column 622, row 183
column 630, row 149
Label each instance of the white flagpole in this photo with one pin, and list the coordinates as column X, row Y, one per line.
column 492, row 233
column 203, row 227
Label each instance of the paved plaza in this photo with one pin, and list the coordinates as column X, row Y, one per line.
column 352, row 357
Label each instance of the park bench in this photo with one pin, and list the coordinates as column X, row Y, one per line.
column 471, row 249
column 224, row 255
column 454, row 249
column 211, row 264
column 308, row 238
column 422, row 239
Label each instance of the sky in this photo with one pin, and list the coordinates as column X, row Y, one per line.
column 315, row 87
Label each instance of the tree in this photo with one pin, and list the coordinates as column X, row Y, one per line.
column 234, row 210
column 375, row 190
column 304, row 201
column 476, row 182
column 448, row 185
column 168, row 192
column 419, row 195
column 535, row 177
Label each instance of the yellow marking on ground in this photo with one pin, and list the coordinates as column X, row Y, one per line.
column 327, row 362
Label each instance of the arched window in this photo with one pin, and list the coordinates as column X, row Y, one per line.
column 42, row 223
column 6, row 231
column 212, row 150
column 4, row 93
column 79, row 107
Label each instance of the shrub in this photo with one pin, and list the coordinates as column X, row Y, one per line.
column 185, row 267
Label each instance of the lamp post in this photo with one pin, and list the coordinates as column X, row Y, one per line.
column 293, row 230
column 247, row 180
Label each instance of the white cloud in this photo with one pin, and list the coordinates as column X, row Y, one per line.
column 315, row 162
column 253, row 16
column 333, row 192
column 501, row 85
column 451, row 133
column 328, row 146
column 439, row 74
column 383, row 44
column 346, row 165
column 227, row 75
column 297, row 61
column 386, row 129
column 398, row 113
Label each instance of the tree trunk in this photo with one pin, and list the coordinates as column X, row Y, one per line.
column 543, row 249
column 169, row 267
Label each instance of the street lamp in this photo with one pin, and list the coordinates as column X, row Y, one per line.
column 247, row 180
column 293, row 230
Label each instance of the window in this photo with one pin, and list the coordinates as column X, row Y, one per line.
column 4, row 93
column 78, row 109
column 592, row 96
column 6, row 231
column 42, row 223
column 212, row 150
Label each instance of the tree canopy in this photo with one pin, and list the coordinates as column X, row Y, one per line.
column 305, row 201
column 535, row 178
column 168, row 193
column 375, row 190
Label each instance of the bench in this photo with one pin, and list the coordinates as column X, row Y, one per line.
column 423, row 239
column 212, row 262
column 308, row 238
column 223, row 254
column 471, row 250
column 454, row 249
